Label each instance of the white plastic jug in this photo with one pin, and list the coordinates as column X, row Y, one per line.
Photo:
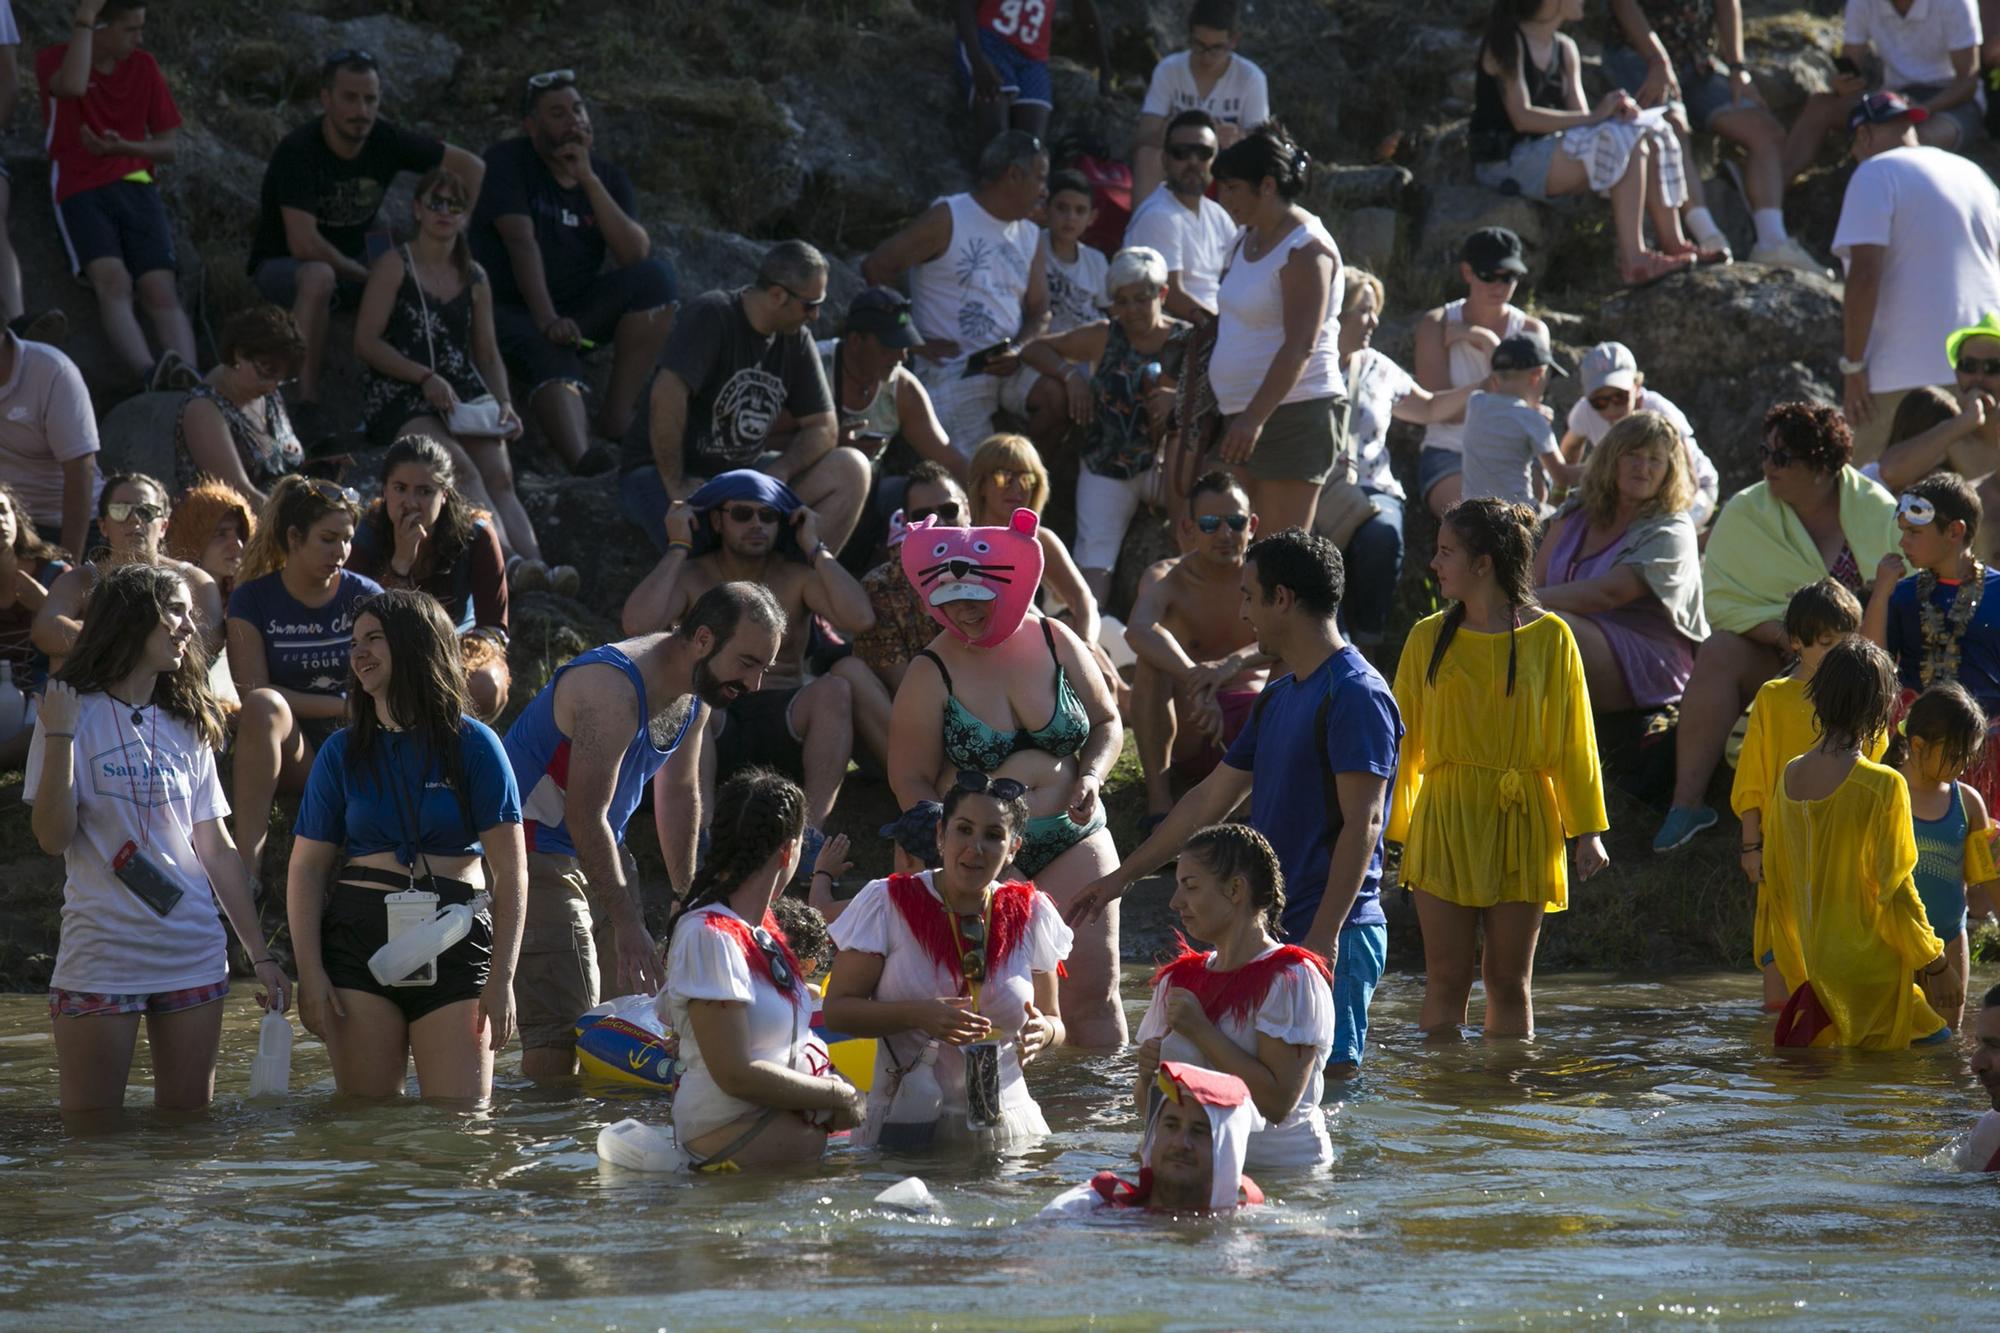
column 413, row 948
column 638, row 1146
column 911, row 1122
column 271, row 1071
column 909, row 1195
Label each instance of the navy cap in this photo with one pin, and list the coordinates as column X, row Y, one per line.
column 1525, row 351
column 1879, row 108
column 916, row 830
column 1493, row 250
column 885, row 313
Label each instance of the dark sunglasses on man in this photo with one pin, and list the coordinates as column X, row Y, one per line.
column 1210, row 524
column 752, row 514
column 1979, row 365
column 946, row 513
column 1182, row 152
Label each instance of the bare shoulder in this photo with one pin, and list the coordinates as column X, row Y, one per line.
column 1975, row 807
column 1533, row 324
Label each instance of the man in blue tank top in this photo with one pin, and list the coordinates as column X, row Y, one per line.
column 583, row 751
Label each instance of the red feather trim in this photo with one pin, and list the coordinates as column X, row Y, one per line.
column 760, row 966
column 1123, row 1193
column 930, row 924
column 1234, row 994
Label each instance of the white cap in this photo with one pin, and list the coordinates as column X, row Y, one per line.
column 1609, row 365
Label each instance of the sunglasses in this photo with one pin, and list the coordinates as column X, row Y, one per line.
column 439, row 204
column 980, row 784
column 1495, row 275
column 1979, row 365
column 1604, row 401
column 806, row 301
column 972, row 935
column 1003, row 477
column 120, row 510
column 1181, row 152
column 1212, row 523
column 349, row 58
column 1916, row 511
column 1779, row 457
column 551, row 78
column 774, row 957
column 946, row 513
column 752, row 514
column 332, row 494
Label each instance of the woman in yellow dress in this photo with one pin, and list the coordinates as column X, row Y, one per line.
column 1839, row 856
column 1498, row 767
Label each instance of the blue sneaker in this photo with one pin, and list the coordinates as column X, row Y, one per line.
column 1683, row 822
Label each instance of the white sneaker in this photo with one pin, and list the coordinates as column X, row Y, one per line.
column 1790, row 255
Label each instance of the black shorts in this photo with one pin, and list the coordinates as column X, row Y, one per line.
column 757, row 731
column 535, row 361
column 124, row 220
column 356, row 924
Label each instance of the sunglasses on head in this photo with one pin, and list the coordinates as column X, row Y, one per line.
column 437, row 203
column 1916, row 511
column 551, row 79
column 120, row 510
column 946, row 513
column 1778, row 457
column 1212, row 523
column 1181, row 152
column 332, row 494
column 349, row 58
column 981, row 784
column 774, row 957
column 1979, row 365
column 752, row 514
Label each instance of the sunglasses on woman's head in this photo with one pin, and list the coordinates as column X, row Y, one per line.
column 332, row 494
column 1979, row 365
column 946, row 513
column 120, row 510
column 1212, row 523
column 752, row 514
column 774, row 957
column 980, row 784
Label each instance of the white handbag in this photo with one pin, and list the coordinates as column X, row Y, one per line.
column 481, row 416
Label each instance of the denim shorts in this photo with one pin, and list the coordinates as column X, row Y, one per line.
column 98, row 1004
column 1027, row 80
column 1705, row 90
column 1525, row 171
column 1435, row 465
column 1364, row 953
column 1969, row 116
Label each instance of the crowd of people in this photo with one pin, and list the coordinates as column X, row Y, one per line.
column 859, row 570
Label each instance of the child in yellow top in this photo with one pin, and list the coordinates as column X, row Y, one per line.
column 1940, row 738
column 1498, row 765
column 1781, row 728
column 1848, row 926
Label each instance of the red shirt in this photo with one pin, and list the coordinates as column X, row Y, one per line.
column 1022, row 24
column 131, row 102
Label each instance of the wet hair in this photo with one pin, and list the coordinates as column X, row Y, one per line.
column 1266, row 150
column 1360, row 280
column 203, row 508
column 1073, row 181
column 1307, row 563
column 1222, row 15
column 1015, row 453
column 127, row 605
column 805, row 930
column 443, row 180
column 1954, row 499
column 723, row 608
column 113, row 480
column 1946, row 718
column 29, row 544
column 1922, row 409
column 1014, row 812
column 1138, row 263
column 427, row 692
column 263, row 333
column 790, row 264
column 1229, row 850
column 1598, row 491
column 1505, row 534
column 457, row 523
column 1852, row 693
column 295, row 503
column 1194, row 116
column 1502, row 39
column 756, row 813
column 1820, row 609
column 1217, row 481
column 1004, row 152
column 1812, row 433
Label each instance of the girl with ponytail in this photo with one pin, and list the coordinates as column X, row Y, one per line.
column 737, row 996
column 1250, row 1006
column 1498, row 767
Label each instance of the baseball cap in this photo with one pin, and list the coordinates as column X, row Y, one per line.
column 1879, row 108
column 916, row 830
column 1494, row 250
column 1608, row 365
column 885, row 313
column 1525, row 351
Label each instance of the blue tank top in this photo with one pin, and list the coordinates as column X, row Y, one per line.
column 1940, row 871
column 539, row 752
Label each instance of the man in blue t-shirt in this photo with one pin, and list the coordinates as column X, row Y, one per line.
column 1317, row 759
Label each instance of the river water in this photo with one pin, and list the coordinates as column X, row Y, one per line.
column 1650, row 1161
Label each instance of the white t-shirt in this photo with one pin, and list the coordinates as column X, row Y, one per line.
column 1240, row 97
column 872, row 924
column 45, row 421
column 1915, row 47
column 1938, row 214
column 1375, row 384
column 1251, row 326
column 1076, row 291
column 1297, row 1010
column 1195, row 242
column 151, row 785
column 707, row 962
column 1503, row 438
column 1588, row 422
column 1467, row 364
column 9, row 34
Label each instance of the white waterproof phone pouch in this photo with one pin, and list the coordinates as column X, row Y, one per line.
column 413, row 909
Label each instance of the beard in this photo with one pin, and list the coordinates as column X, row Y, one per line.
column 710, row 688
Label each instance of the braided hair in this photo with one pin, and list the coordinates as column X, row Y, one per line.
column 757, row 812
column 1505, row 534
column 1229, row 850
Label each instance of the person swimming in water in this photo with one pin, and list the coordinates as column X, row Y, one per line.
column 1192, row 1153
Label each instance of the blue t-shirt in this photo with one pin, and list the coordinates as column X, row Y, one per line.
column 363, row 813
column 1978, row 650
column 1289, row 803
column 305, row 647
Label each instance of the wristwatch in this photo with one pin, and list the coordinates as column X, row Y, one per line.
column 1852, row 367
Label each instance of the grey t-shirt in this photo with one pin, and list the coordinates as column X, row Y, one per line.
column 1503, row 438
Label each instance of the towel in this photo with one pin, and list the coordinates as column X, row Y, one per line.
column 1606, row 148
column 1760, row 554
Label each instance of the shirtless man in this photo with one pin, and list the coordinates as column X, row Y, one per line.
column 1198, row 658
column 803, row 730
column 583, row 750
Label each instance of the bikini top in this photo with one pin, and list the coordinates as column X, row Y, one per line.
column 970, row 743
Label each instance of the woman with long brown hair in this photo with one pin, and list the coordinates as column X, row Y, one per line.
column 132, row 512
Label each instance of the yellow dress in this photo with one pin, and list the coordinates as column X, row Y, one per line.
column 1488, row 786
column 1782, row 727
column 1845, row 911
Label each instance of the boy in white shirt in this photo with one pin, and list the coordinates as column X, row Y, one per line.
column 1076, row 296
column 1613, row 389
column 1507, row 430
column 1208, row 76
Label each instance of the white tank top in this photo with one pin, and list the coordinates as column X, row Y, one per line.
column 1252, row 326
column 1467, row 365
column 972, row 292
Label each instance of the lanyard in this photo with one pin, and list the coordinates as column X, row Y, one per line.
column 132, row 784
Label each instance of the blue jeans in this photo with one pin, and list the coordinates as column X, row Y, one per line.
column 1374, row 566
column 1364, row 953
